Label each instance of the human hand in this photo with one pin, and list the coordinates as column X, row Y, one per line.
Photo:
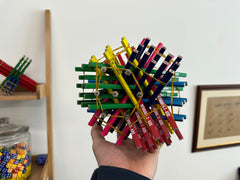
column 126, row 156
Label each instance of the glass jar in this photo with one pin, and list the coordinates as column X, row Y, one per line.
column 15, row 151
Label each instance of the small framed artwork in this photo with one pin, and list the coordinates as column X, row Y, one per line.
column 217, row 117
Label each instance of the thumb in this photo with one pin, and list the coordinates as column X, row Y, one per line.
column 96, row 134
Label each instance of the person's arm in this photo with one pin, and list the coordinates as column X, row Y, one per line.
column 126, row 156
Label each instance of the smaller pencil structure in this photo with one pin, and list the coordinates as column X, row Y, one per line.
column 130, row 94
column 15, row 76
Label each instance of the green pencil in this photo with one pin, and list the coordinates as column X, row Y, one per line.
column 102, row 86
column 93, row 77
column 12, row 71
column 118, row 86
column 93, row 64
column 101, row 96
column 110, row 106
column 80, row 69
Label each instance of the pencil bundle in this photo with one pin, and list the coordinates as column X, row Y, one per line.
column 15, row 76
column 130, row 94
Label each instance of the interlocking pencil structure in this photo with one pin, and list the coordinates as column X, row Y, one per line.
column 130, row 94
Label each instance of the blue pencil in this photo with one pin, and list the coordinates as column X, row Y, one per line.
column 148, row 70
column 132, row 57
column 176, row 101
column 165, row 79
column 175, row 84
column 147, row 40
column 177, row 117
column 157, row 74
column 144, row 59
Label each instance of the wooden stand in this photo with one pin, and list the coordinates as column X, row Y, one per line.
column 49, row 92
column 38, row 172
column 43, row 90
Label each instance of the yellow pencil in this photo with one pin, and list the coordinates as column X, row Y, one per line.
column 135, row 62
column 124, row 84
column 109, row 49
column 98, row 70
column 126, row 46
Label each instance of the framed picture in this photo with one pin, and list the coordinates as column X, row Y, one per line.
column 217, row 117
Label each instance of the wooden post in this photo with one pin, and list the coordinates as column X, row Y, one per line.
column 48, row 93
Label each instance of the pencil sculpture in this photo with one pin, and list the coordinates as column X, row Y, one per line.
column 134, row 96
column 15, row 76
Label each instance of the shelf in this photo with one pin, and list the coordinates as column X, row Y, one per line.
column 43, row 90
column 20, row 94
column 38, row 172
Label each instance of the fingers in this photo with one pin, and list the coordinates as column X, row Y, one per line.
column 158, row 149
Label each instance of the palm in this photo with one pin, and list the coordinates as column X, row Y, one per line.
column 126, row 156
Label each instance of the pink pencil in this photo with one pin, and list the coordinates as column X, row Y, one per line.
column 113, row 119
column 94, row 118
column 153, row 54
column 121, row 138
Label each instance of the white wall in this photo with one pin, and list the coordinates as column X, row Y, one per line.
column 205, row 33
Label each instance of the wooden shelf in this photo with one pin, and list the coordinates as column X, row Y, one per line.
column 19, row 95
column 43, row 90
column 38, row 172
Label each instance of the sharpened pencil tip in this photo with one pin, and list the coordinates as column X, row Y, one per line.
column 147, row 53
column 180, row 57
column 148, row 38
column 135, row 50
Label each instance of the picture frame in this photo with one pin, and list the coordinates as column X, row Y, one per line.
column 217, row 117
